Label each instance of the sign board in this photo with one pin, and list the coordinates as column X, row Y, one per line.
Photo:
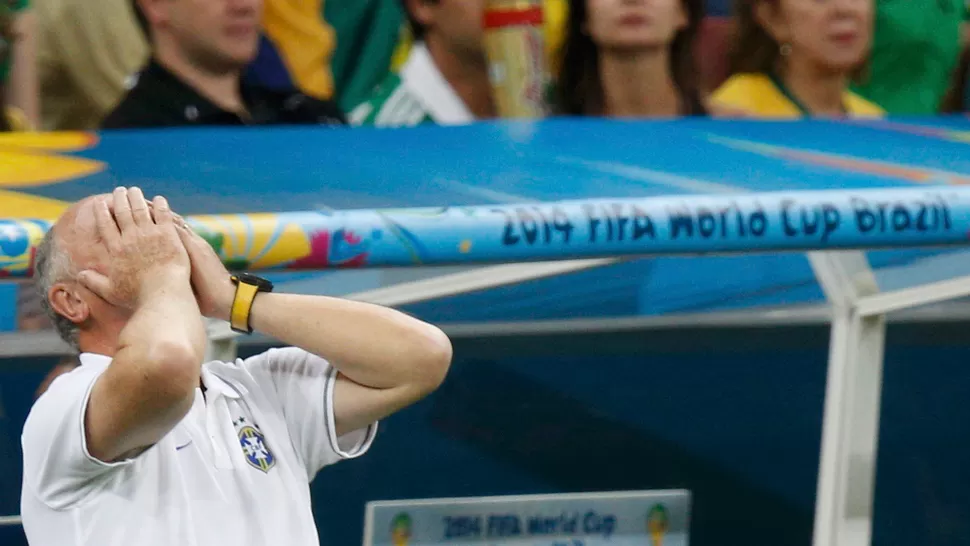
column 630, row 518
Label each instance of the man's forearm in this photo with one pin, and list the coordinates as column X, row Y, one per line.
column 167, row 322
column 372, row 345
column 149, row 385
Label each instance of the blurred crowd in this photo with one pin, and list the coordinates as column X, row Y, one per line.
column 81, row 65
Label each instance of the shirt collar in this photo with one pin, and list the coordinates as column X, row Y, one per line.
column 170, row 91
column 210, row 380
column 421, row 75
column 94, row 360
column 219, row 385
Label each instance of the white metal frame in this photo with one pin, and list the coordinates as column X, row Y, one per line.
column 850, row 431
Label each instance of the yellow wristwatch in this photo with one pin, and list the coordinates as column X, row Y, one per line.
column 247, row 286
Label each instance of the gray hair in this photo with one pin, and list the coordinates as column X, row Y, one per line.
column 52, row 265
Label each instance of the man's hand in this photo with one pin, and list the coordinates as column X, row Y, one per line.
column 210, row 279
column 145, row 254
column 156, row 359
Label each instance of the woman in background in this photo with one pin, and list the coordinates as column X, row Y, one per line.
column 630, row 58
column 18, row 73
column 795, row 58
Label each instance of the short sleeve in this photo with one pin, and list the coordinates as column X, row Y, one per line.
column 304, row 384
column 58, row 468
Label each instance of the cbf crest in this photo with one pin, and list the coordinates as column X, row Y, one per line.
column 254, row 447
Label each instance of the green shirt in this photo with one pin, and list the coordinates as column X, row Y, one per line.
column 391, row 105
column 7, row 15
column 914, row 52
column 418, row 94
column 367, row 34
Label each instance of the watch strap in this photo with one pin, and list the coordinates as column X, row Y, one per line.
column 242, row 305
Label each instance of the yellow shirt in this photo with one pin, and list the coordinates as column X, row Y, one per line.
column 757, row 94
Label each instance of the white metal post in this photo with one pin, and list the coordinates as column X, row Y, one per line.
column 850, row 429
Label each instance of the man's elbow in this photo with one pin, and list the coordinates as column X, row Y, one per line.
column 172, row 368
column 434, row 360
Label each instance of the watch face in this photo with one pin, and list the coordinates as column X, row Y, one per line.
column 254, row 280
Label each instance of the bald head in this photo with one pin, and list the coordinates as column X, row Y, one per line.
column 77, row 228
column 72, row 244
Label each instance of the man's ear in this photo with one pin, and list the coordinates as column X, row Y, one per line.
column 423, row 11
column 154, row 12
column 66, row 301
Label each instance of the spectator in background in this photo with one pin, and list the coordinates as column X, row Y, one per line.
column 199, row 50
column 86, row 52
column 795, row 58
column 351, row 80
column 19, row 101
column 445, row 78
column 915, row 50
column 630, row 58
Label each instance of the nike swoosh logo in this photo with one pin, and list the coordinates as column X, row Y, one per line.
column 185, row 445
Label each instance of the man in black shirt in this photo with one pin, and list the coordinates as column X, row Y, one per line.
column 200, row 49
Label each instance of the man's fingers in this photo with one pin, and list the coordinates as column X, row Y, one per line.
column 186, row 235
column 122, row 209
column 107, row 227
column 186, row 229
column 139, row 207
column 163, row 213
column 95, row 282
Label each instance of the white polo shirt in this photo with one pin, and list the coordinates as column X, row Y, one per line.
column 234, row 471
column 420, row 93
